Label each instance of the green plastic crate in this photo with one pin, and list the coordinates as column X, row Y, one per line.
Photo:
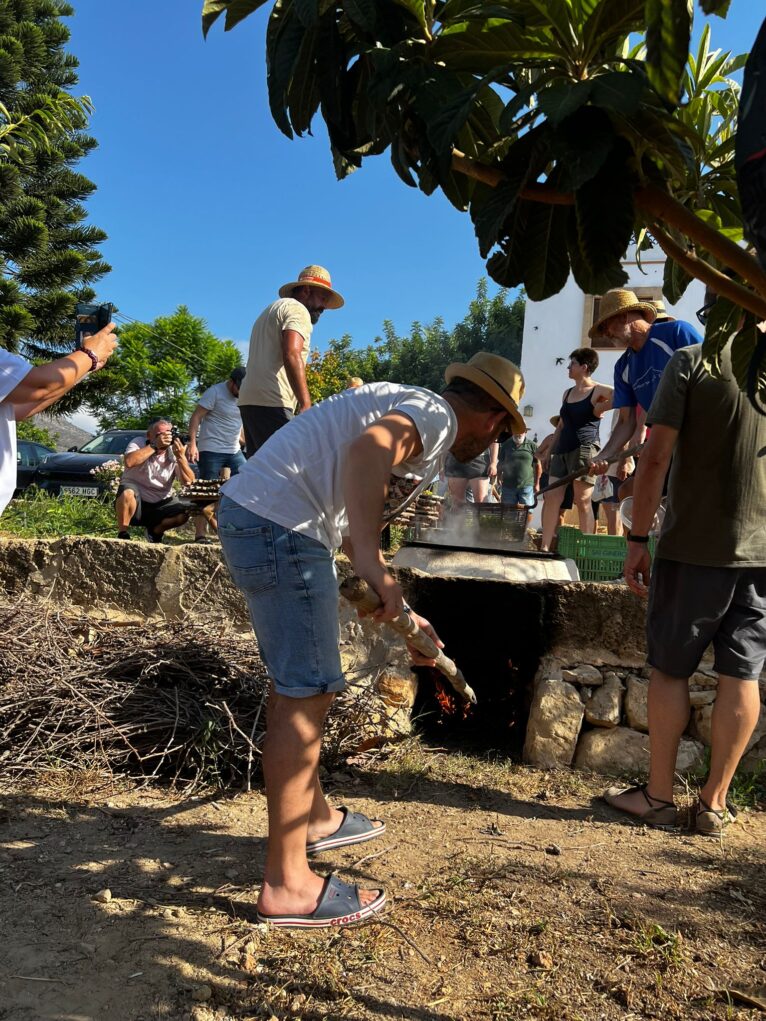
column 598, row 557
column 567, row 541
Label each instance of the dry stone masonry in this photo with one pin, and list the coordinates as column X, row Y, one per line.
column 595, row 718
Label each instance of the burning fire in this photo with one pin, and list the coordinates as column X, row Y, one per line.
column 447, row 702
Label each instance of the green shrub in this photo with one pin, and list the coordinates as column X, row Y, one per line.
column 39, row 516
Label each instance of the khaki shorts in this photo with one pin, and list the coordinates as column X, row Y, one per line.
column 566, row 463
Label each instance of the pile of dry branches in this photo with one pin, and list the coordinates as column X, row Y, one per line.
column 174, row 699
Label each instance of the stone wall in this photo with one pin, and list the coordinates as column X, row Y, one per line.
column 595, row 718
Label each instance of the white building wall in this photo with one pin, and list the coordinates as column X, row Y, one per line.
column 554, row 327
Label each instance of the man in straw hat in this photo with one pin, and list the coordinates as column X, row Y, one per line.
column 274, row 387
column 316, row 486
column 650, row 344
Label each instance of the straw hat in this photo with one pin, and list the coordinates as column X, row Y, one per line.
column 313, row 276
column 555, row 420
column 617, row 301
column 499, row 377
column 663, row 316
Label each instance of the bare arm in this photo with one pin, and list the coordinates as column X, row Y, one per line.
column 184, row 471
column 292, row 358
column 139, row 457
column 602, row 399
column 194, row 423
column 45, row 384
column 493, row 454
column 647, row 493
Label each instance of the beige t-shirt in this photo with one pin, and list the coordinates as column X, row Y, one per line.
column 265, row 381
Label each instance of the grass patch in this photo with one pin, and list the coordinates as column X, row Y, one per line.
column 39, row 516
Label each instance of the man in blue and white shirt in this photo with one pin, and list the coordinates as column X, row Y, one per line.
column 650, row 345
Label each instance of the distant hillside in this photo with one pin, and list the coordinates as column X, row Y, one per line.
column 68, row 435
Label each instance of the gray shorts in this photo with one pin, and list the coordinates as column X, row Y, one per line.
column 691, row 606
column 569, row 461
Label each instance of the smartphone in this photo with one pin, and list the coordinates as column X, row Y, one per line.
column 90, row 319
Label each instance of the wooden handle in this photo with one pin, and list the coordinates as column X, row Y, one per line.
column 362, row 597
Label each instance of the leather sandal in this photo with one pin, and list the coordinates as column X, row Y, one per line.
column 662, row 815
column 710, row 822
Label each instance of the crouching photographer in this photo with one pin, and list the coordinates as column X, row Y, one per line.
column 145, row 494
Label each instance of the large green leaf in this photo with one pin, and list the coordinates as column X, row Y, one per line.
column 608, row 23
column 748, row 361
column 284, row 41
column 605, row 212
column 669, row 24
column 719, row 7
column 621, row 91
column 581, row 146
column 416, row 8
column 562, row 99
column 675, row 281
column 236, row 11
column 546, row 263
column 303, row 91
column 722, row 324
column 587, row 279
column 481, row 47
column 362, row 13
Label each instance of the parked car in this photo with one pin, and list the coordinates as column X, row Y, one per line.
column 70, row 472
column 28, row 456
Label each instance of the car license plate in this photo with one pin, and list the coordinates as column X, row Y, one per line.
column 80, row 490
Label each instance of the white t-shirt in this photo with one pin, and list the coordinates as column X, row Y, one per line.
column 266, row 383
column 295, row 478
column 221, row 426
column 153, row 478
column 12, row 370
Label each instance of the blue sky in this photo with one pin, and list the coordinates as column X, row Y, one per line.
column 207, row 204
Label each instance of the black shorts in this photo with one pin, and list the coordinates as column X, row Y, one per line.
column 568, row 502
column 691, row 606
column 478, row 468
column 148, row 513
column 260, row 422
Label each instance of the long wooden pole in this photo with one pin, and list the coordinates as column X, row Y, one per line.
column 362, row 597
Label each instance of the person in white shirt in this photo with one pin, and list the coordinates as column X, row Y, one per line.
column 219, row 424
column 316, row 484
column 25, row 390
column 275, row 387
column 145, row 494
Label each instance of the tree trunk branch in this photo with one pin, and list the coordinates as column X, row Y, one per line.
column 703, row 271
column 660, row 205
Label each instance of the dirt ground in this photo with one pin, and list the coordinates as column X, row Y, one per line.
column 515, row 894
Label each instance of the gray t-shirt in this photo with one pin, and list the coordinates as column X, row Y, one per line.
column 716, row 505
column 221, row 426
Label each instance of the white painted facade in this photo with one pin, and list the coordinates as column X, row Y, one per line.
column 555, row 327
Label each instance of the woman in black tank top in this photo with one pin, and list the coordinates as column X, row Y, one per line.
column 576, row 442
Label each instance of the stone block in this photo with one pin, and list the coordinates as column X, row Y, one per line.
column 635, row 703
column 622, row 751
column 555, row 719
column 755, row 758
column 590, row 676
column 701, row 727
column 701, row 696
column 602, row 709
column 397, row 689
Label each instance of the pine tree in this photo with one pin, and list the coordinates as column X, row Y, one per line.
column 49, row 258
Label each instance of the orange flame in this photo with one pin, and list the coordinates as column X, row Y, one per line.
column 447, row 702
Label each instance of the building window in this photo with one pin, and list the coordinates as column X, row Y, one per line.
column 591, row 313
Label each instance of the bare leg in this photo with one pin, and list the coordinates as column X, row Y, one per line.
column 551, row 508
column 125, row 508
column 583, row 493
column 203, row 519
column 290, row 765
column 613, row 521
column 668, row 715
column 735, row 714
column 480, row 489
column 457, row 490
column 167, row 523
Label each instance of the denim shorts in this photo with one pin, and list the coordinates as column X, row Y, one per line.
column 211, row 462
column 291, row 588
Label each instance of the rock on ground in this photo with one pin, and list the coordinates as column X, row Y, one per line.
column 602, row 709
column 635, row 703
column 555, row 719
column 623, row 751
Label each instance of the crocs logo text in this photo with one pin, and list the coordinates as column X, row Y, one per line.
column 346, row 919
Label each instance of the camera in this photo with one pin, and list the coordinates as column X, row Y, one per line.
column 89, row 319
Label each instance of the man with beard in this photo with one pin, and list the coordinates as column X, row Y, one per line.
column 275, row 388
column 318, row 485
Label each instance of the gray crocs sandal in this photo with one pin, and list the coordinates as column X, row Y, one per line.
column 339, row 905
column 355, row 829
column 663, row 815
column 711, row 822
